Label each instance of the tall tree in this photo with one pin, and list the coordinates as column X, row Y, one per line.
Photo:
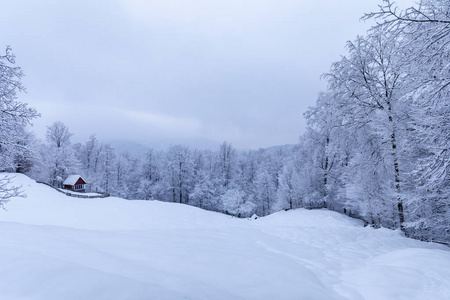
column 226, row 159
column 178, row 173
column 370, row 83
column 14, row 116
column 58, row 134
column 151, row 175
column 425, row 34
column 288, row 192
column 265, row 191
column 59, row 156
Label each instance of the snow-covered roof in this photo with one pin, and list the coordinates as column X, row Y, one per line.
column 72, row 179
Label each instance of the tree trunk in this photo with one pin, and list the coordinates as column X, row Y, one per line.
column 173, row 195
column 401, row 215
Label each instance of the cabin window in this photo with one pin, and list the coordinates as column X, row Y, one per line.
column 78, row 186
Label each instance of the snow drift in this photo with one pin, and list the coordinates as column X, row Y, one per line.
column 57, row 247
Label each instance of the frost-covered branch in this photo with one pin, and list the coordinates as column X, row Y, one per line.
column 428, row 12
column 8, row 190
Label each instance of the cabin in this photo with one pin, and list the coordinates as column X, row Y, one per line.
column 75, row 183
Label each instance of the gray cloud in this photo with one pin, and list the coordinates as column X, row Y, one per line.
column 161, row 72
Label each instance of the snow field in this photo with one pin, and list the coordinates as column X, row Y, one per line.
column 57, row 247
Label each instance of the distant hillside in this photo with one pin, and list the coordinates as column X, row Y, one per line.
column 131, row 147
column 289, row 148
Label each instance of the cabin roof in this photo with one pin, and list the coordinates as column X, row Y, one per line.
column 72, row 179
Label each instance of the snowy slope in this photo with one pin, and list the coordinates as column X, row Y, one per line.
column 58, row 247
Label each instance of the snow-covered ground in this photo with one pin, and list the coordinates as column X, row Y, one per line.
column 57, row 247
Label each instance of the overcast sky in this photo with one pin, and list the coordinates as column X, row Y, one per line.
column 196, row 72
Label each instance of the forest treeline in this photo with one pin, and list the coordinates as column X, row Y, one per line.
column 376, row 147
column 380, row 133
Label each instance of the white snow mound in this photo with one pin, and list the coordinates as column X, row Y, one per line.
column 57, row 247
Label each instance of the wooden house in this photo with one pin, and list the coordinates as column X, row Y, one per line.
column 75, row 183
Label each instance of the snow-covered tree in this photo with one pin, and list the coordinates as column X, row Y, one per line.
column 378, row 139
column 369, row 85
column 234, row 202
column 59, row 158
column 425, row 34
column 88, row 155
column 177, row 174
column 265, row 192
column 226, row 158
column 207, row 191
column 107, row 169
column 14, row 116
column 289, row 193
column 150, row 175
column 58, row 134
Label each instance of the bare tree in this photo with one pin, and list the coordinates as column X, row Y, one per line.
column 58, row 134
column 8, row 190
